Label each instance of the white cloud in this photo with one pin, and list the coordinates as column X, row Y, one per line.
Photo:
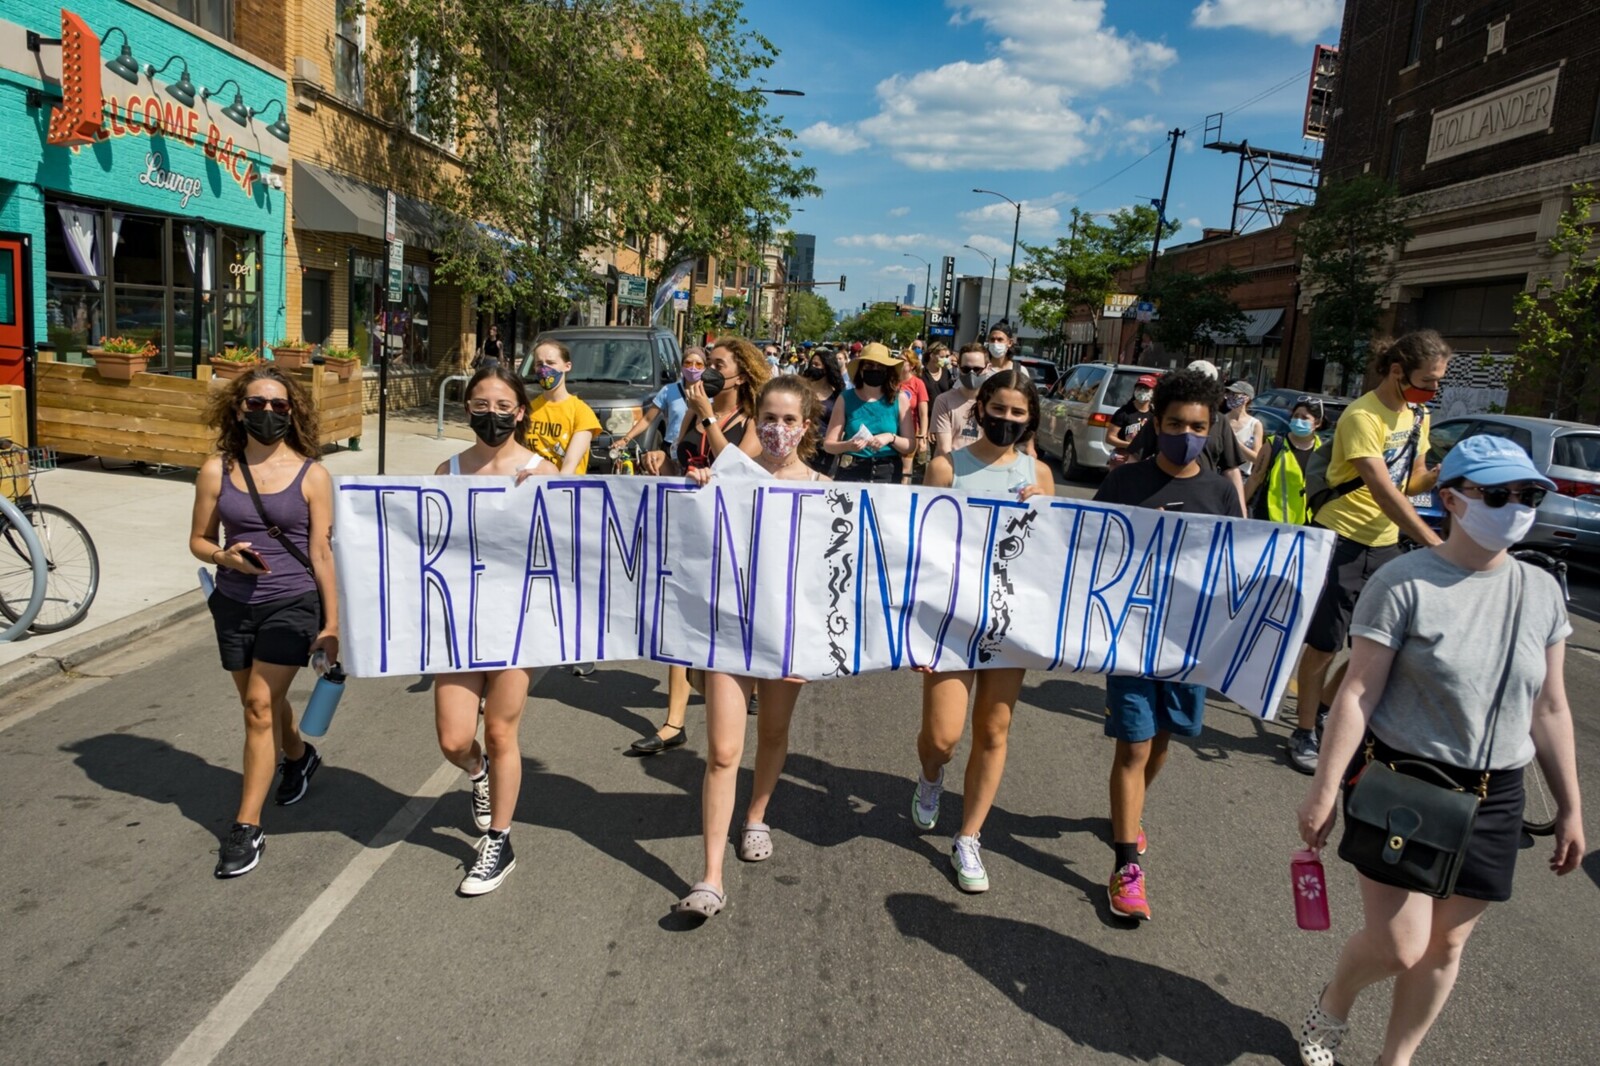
column 900, row 270
column 993, row 245
column 1001, row 215
column 1145, row 124
column 1299, row 20
column 1192, row 228
column 826, row 137
column 843, row 261
column 1065, row 42
column 883, row 242
column 899, row 212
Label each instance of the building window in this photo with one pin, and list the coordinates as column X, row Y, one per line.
column 215, row 16
column 429, row 116
column 406, row 325
column 1397, row 150
column 350, row 30
column 702, row 270
column 1414, row 50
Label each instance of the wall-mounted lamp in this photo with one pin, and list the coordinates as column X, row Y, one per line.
column 280, row 128
column 124, row 65
column 236, row 110
column 183, row 91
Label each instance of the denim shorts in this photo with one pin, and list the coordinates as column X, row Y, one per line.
column 1137, row 708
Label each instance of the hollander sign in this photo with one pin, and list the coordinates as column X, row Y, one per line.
column 1504, row 115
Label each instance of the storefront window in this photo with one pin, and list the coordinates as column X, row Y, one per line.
column 406, row 328
column 75, row 280
column 213, row 15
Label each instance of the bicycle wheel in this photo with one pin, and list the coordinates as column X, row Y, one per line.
column 72, row 565
column 22, row 571
column 1539, row 813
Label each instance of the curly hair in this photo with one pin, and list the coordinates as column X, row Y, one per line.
column 1412, row 351
column 222, row 414
column 810, row 410
column 1185, row 387
column 753, row 369
column 1017, row 381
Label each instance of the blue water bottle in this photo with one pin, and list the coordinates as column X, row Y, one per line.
column 323, row 702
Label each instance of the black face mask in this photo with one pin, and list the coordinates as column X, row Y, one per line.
column 815, row 373
column 267, row 426
column 493, row 427
column 875, row 376
column 1002, row 432
column 712, row 381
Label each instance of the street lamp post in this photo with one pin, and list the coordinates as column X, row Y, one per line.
column 927, row 280
column 1016, row 228
column 988, row 308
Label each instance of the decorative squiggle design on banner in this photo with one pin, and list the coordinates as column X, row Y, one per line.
column 841, row 572
column 1007, row 549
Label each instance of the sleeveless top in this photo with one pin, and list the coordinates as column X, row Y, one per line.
column 288, row 511
column 455, row 464
column 973, row 475
column 694, row 451
column 877, row 416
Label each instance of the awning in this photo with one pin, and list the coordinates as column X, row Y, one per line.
column 332, row 203
column 1258, row 325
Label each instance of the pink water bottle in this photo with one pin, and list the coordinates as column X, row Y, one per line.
column 1310, row 889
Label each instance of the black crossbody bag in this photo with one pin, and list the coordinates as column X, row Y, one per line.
column 272, row 530
column 1407, row 822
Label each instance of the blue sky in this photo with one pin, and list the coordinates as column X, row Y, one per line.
column 910, row 104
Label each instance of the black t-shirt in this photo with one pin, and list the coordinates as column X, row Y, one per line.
column 695, row 451
column 1147, row 485
column 1129, row 420
column 1222, row 447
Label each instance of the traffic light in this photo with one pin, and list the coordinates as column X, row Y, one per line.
column 841, row 282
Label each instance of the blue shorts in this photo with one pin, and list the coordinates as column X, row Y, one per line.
column 1138, row 708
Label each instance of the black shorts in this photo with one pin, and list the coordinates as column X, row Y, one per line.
column 279, row 632
column 1352, row 563
column 1491, row 860
column 884, row 469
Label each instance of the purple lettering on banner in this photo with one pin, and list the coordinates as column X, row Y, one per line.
column 378, row 492
column 1282, row 587
column 632, row 563
column 475, row 568
column 540, row 541
column 920, row 539
column 745, row 592
column 1066, row 579
column 994, row 508
column 1096, row 593
column 662, row 573
column 575, row 489
column 428, row 576
column 1151, row 569
column 796, row 498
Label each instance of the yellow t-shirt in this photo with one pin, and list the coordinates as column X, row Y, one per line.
column 551, row 426
column 1369, row 429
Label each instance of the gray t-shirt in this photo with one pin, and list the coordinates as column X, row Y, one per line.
column 1449, row 628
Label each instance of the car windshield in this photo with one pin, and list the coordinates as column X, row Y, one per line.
column 1581, row 450
column 1119, row 390
column 611, row 360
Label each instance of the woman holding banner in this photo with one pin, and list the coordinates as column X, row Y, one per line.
column 721, row 406
column 871, row 429
column 497, row 408
column 1006, row 410
column 789, row 417
column 263, row 516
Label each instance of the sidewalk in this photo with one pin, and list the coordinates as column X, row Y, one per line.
column 140, row 525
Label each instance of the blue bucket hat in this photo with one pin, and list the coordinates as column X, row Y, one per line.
column 1486, row 460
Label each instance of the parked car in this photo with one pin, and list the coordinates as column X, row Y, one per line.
column 1075, row 413
column 1567, row 453
column 616, row 370
column 1043, row 371
column 1283, row 401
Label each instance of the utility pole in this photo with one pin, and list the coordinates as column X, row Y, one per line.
column 1161, row 219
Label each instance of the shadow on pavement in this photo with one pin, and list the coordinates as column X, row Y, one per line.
column 1084, row 992
column 340, row 800
column 1591, row 866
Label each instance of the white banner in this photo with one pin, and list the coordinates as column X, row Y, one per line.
column 798, row 579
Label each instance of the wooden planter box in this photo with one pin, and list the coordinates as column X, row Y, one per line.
column 228, row 369
column 119, row 366
column 156, row 418
column 291, row 358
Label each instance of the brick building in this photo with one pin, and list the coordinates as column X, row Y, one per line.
column 1486, row 114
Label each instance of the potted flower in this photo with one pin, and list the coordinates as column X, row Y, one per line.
column 342, row 361
column 234, row 361
column 290, row 354
column 119, row 358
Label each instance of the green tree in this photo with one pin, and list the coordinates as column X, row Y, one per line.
column 810, row 316
column 1347, row 244
column 1079, row 271
column 882, row 323
column 1193, row 307
column 1558, row 336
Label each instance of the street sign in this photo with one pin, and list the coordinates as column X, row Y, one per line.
column 388, row 216
column 632, row 290
column 937, row 330
column 716, row 296
column 397, row 258
column 680, row 300
column 1144, row 311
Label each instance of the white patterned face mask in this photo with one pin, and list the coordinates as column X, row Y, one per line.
column 1494, row 528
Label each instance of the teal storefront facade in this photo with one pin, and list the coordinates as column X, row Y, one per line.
column 159, row 213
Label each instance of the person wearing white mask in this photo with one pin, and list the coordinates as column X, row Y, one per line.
column 1001, row 341
column 1432, row 639
column 951, row 420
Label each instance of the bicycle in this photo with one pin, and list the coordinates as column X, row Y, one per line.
column 72, row 566
column 13, row 524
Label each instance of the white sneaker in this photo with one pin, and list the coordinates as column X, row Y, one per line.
column 1320, row 1036
column 925, row 801
column 970, row 874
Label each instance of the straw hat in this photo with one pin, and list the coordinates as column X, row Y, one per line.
column 873, row 353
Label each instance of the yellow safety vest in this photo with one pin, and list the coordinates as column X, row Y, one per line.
column 1286, row 484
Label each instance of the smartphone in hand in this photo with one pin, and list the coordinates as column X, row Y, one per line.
column 252, row 557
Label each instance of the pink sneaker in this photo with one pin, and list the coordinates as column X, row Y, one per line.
column 1143, row 844
column 1126, row 892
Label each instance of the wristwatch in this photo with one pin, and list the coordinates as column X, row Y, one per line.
column 707, row 423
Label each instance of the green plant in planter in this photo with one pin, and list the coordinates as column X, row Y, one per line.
column 290, row 342
column 238, row 355
column 340, row 355
column 127, row 346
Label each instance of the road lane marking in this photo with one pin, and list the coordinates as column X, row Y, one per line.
column 206, row 1042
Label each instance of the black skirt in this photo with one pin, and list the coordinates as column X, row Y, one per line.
column 1491, row 860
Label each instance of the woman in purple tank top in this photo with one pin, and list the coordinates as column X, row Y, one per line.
column 263, row 516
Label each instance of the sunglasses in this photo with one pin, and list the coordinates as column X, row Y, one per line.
column 278, row 404
column 1497, row 496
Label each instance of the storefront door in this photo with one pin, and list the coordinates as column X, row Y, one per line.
column 15, row 299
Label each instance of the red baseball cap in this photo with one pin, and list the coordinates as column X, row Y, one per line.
column 1147, row 380
column 856, row 347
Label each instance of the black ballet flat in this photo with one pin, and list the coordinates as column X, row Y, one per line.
column 655, row 743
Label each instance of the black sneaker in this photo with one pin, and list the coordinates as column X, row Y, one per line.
column 495, row 860
column 1322, row 724
column 297, row 776
column 241, row 850
column 480, row 799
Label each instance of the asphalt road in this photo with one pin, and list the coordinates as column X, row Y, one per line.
column 852, row 944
